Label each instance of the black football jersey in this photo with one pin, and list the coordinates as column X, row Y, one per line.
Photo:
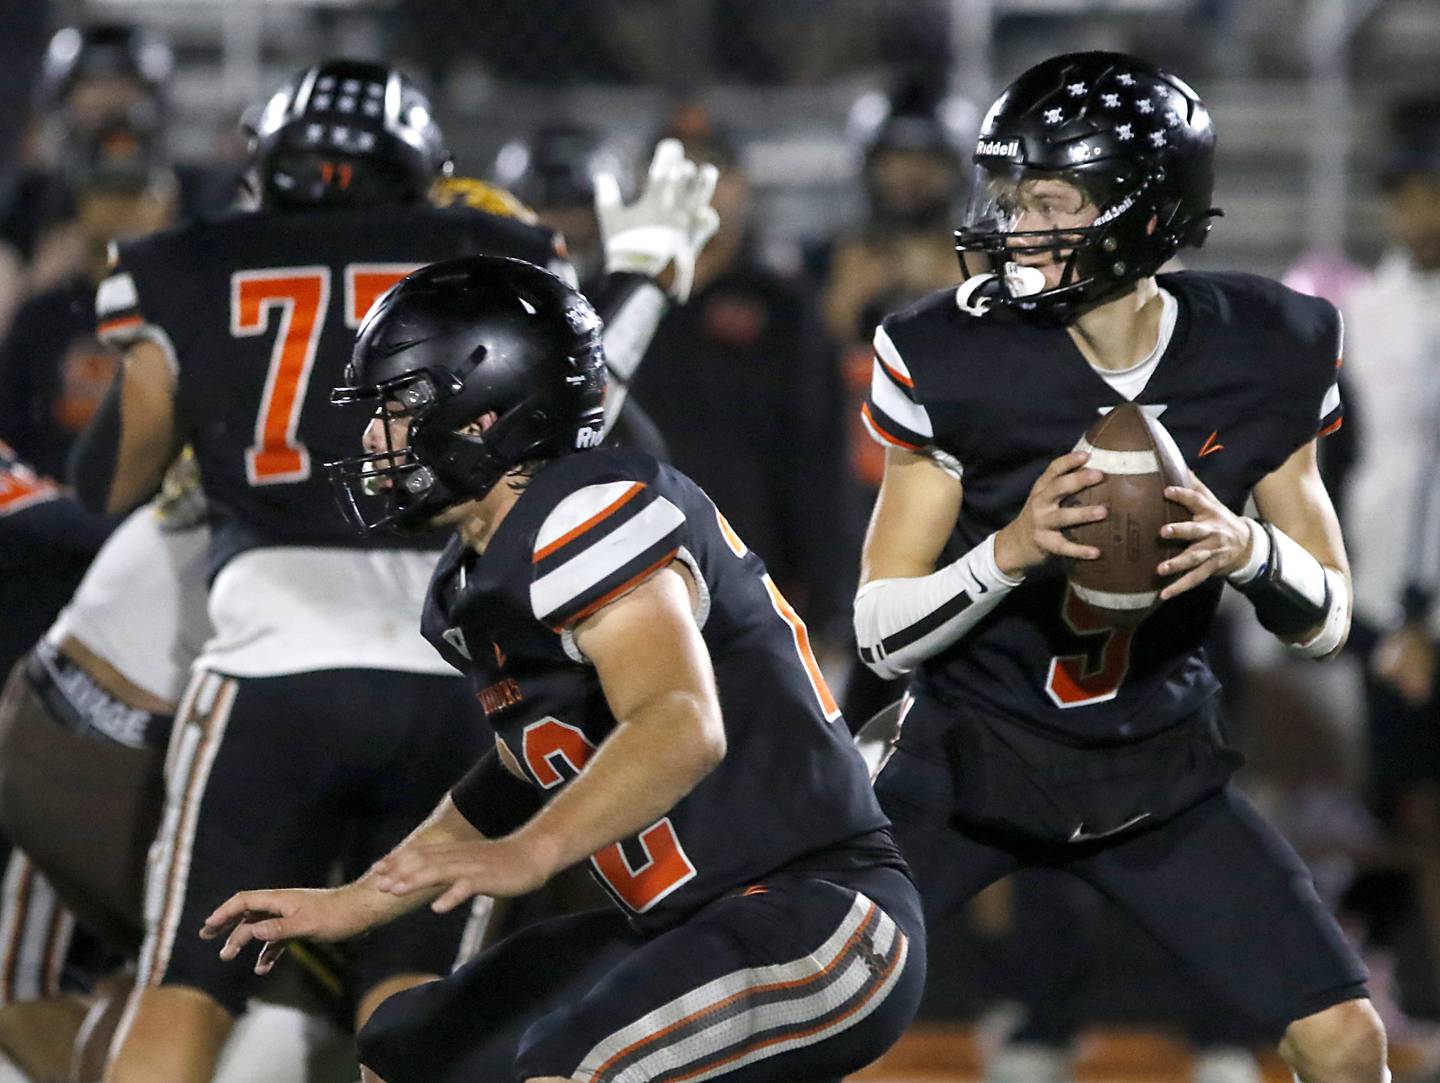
column 258, row 313
column 587, row 528
column 47, row 540
column 1249, row 376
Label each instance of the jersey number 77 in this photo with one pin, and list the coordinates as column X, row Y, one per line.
column 295, row 300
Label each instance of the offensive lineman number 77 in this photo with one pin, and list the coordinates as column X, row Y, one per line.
column 300, row 297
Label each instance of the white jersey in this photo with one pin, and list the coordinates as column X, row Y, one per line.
column 141, row 606
column 1392, row 358
column 288, row 609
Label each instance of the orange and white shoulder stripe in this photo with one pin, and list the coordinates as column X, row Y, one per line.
column 598, row 541
column 119, row 321
column 892, row 413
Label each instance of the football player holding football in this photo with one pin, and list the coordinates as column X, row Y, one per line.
column 603, row 610
column 318, row 724
column 1035, row 732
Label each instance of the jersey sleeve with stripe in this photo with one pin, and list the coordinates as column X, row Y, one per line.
column 893, row 412
column 1331, row 410
column 588, row 528
column 121, row 319
column 599, row 542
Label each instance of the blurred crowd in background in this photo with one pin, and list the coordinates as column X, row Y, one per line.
column 842, row 131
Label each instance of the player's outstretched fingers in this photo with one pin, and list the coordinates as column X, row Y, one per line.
column 1072, row 482
column 457, row 893
column 1065, row 463
column 1192, row 557
column 1064, row 517
column 241, row 935
column 669, row 153
column 1193, row 500
column 1193, row 578
column 237, row 908
column 1052, row 541
column 701, row 188
column 412, row 868
column 1190, row 530
column 607, row 193
column 677, row 185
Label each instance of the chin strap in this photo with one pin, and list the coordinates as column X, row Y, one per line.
column 966, row 296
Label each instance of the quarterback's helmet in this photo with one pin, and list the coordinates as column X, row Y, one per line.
column 346, row 133
column 1135, row 140
column 447, row 346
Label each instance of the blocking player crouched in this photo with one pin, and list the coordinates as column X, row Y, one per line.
column 603, row 610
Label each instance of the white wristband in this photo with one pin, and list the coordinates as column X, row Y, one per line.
column 1332, row 633
column 901, row 622
column 1259, row 555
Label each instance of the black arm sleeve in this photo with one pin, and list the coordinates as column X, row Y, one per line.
column 93, row 458
column 493, row 800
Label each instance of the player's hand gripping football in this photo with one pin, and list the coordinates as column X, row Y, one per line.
column 668, row 224
column 501, row 867
column 1219, row 540
column 277, row 917
column 1035, row 535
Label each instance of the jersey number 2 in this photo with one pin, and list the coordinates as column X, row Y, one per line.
column 549, row 744
column 300, row 296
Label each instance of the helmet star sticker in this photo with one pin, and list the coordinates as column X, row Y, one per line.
column 1157, row 138
column 1110, row 101
column 1076, row 89
column 1145, row 105
column 1124, row 132
column 1125, row 79
column 1052, row 116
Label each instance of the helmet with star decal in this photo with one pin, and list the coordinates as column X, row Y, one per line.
column 1131, row 146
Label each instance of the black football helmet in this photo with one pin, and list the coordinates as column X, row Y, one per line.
column 346, row 133
column 556, row 167
column 449, row 345
column 105, row 50
column 1136, row 140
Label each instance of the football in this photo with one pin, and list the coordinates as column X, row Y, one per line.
column 1139, row 459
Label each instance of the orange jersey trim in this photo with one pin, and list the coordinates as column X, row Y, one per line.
column 120, row 323
column 1328, row 429
column 599, row 517
column 610, row 596
column 898, row 377
column 890, row 437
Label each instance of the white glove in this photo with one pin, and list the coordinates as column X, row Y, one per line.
column 669, row 222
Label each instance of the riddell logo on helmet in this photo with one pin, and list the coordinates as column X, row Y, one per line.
column 588, row 437
column 1003, row 148
column 1116, row 211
